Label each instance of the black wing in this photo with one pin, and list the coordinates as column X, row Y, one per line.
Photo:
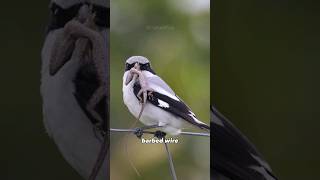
column 178, row 108
column 234, row 156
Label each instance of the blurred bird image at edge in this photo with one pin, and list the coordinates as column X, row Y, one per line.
column 234, row 156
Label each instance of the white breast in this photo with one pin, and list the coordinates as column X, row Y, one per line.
column 151, row 114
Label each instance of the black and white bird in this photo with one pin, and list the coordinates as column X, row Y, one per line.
column 234, row 156
column 69, row 79
column 163, row 107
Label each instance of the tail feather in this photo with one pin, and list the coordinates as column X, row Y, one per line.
column 204, row 126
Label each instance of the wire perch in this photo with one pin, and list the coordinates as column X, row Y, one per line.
column 172, row 170
column 151, row 132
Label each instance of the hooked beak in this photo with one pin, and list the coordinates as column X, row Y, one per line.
column 131, row 75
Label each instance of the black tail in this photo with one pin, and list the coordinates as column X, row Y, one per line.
column 234, row 156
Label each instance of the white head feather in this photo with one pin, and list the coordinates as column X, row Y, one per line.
column 137, row 59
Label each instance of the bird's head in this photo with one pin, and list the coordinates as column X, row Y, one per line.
column 139, row 62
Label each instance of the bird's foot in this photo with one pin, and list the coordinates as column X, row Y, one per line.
column 160, row 134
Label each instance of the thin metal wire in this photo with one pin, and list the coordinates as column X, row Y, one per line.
column 172, row 171
column 151, row 132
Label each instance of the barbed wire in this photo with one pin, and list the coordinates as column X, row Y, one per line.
column 151, row 132
column 170, row 159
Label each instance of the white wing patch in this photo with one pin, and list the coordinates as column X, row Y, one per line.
column 163, row 104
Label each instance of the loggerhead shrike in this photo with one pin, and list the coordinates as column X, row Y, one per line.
column 234, row 156
column 163, row 108
column 74, row 56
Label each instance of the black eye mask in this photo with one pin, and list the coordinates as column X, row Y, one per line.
column 145, row 67
column 60, row 16
column 129, row 66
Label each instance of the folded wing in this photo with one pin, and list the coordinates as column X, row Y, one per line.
column 163, row 97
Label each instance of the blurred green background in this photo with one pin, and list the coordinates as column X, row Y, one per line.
column 265, row 79
column 175, row 36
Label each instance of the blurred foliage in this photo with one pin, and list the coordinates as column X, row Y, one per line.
column 174, row 36
column 265, row 78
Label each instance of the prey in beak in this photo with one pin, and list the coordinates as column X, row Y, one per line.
column 131, row 75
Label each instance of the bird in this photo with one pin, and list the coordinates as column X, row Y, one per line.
column 234, row 156
column 69, row 79
column 163, row 108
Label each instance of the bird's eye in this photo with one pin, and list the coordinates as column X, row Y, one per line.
column 129, row 66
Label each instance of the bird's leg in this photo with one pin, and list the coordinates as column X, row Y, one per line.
column 139, row 131
column 160, row 134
